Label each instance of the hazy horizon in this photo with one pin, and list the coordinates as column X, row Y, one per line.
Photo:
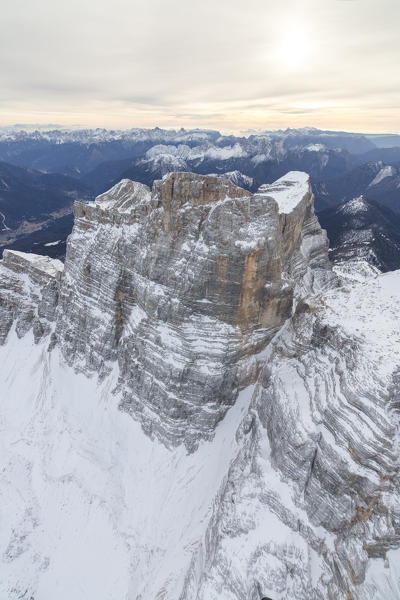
column 330, row 64
column 242, row 133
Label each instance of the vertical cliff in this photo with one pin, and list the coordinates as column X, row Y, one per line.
column 310, row 507
column 183, row 287
column 29, row 293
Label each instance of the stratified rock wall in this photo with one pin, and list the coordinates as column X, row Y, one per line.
column 310, row 508
column 186, row 301
column 183, row 286
column 29, row 293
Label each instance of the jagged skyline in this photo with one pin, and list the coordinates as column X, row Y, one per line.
column 254, row 64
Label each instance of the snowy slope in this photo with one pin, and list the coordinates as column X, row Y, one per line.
column 92, row 508
column 310, row 509
column 257, row 452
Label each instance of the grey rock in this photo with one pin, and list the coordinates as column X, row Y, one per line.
column 325, row 417
column 183, row 287
column 193, row 292
column 29, row 293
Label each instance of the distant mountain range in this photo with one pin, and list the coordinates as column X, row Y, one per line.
column 31, row 200
column 375, row 180
column 45, row 171
column 363, row 231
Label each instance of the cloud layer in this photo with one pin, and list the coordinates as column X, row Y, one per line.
column 230, row 64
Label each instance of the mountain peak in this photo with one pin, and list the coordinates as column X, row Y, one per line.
column 354, row 206
column 195, row 397
column 363, row 236
column 198, row 268
column 123, row 196
column 288, row 191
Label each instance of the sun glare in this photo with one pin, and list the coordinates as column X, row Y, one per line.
column 294, row 49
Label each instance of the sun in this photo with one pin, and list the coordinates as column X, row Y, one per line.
column 294, row 48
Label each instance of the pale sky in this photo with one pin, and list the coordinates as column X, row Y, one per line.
column 226, row 64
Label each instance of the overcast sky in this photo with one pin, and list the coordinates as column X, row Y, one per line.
column 225, row 64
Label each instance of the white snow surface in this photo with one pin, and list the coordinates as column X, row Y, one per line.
column 288, row 191
column 4, row 226
column 356, row 270
column 51, row 266
column 91, row 508
column 369, row 311
column 354, row 206
column 387, row 171
column 53, row 243
column 315, row 148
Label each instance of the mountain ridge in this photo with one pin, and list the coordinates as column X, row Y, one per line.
column 256, row 452
column 363, row 230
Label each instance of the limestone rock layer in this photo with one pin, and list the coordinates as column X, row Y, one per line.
column 183, row 286
column 256, row 454
column 29, row 292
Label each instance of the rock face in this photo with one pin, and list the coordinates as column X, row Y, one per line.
column 262, row 458
column 29, row 293
column 363, row 234
column 183, row 286
column 320, row 439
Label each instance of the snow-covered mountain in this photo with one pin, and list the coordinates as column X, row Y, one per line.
column 341, row 165
column 375, row 180
column 195, row 406
column 90, row 136
column 353, row 142
column 78, row 152
column 362, row 233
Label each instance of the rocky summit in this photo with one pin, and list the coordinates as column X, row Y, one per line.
column 183, row 287
column 196, row 406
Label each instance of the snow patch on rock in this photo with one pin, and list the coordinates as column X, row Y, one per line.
column 288, row 191
column 385, row 172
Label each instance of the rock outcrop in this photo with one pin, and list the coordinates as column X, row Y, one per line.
column 29, row 293
column 319, row 461
column 184, row 286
